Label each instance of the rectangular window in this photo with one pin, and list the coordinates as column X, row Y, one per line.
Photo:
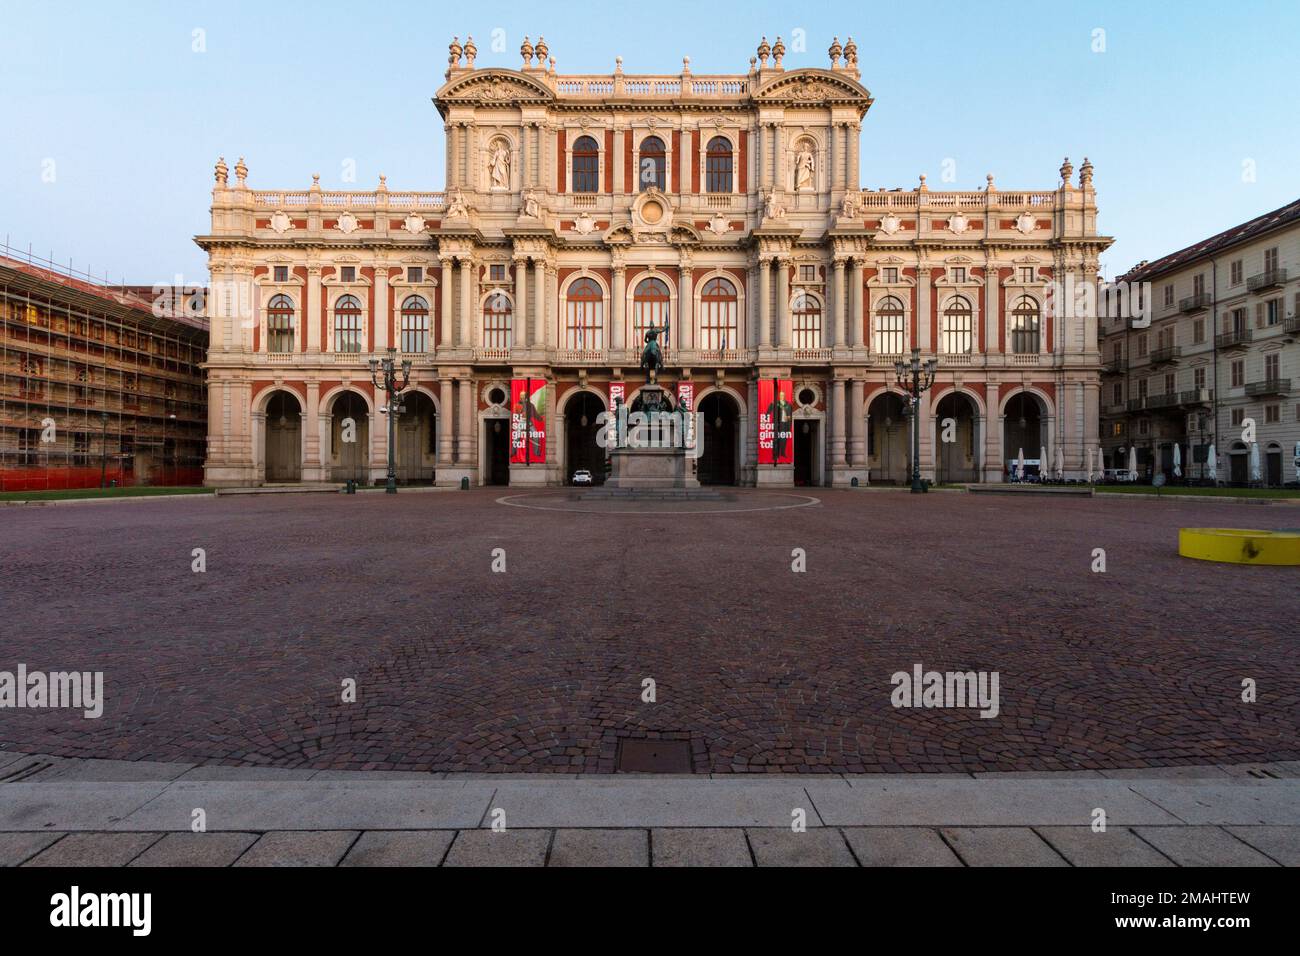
column 1169, row 383
column 1117, row 394
column 1271, row 367
column 807, row 273
column 1238, row 373
column 1026, row 273
column 1234, row 272
column 1238, row 416
column 1142, row 345
column 1144, row 427
column 1142, row 388
column 959, row 274
column 1198, row 331
column 414, row 274
column 1198, row 377
column 1169, row 295
column 497, row 272
column 891, row 275
column 1117, row 429
column 348, row 273
column 1272, row 311
column 1272, row 414
column 281, row 273
column 28, row 441
column 81, row 449
column 1198, row 285
column 1270, row 259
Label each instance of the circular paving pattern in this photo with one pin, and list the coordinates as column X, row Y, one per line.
column 650, row 504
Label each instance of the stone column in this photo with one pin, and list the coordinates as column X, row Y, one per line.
column 619, row 295
column 445, row 337
column 858, row 433
column 783, row 301
column 855, row 308
column 922, row 316
column 465, row 422
column 837, row 424
column 466, row 303
column 311, row 460
column 837, row 313
column 686, row 310
column 520, row 334
column 764, row 301
column 447, row 422
column 311, row 318
column 539, row 336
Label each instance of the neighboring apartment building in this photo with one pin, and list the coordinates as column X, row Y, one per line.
column 98, row 384
column 581, row 210
column 1220, row 355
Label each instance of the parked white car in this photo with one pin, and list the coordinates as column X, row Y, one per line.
column 581, row 477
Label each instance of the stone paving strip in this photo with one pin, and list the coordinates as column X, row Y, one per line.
column 110, row 813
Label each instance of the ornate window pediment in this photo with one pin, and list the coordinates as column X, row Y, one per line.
column 493, row 88
column 812, row 86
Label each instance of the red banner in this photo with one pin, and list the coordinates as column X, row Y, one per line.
column 686, row 401
column 527, row 421
column 775, row 421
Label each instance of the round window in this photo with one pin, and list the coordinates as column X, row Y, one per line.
column 807, row 396
column 497, row 396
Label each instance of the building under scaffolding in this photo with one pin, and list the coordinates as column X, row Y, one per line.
column 99, row 385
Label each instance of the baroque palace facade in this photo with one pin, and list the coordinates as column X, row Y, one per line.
column 580, row 210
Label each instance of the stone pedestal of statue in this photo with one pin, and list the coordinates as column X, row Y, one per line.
column 651, row 455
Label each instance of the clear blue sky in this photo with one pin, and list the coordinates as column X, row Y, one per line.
column 133, row 119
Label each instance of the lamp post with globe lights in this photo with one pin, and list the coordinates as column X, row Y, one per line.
column 393, row 407
column 915, row 378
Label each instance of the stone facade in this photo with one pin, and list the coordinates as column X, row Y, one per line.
column 580, row 208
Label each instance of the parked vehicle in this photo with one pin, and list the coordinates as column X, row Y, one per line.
column 581, row 477
column 1116, row 476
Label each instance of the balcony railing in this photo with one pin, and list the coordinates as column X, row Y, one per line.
column 1168, row 400
column 1235, row 339
column 1136, row 404
column 1292, row 325
column 812, row 355
column 1269, row 386
column 1114, row 409
column 1196, row 396
column 1163, row 356
column 1266, row 280
column 1194, row 303
column 1115, row 367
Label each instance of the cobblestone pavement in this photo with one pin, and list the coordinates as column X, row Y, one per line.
column 540, row 668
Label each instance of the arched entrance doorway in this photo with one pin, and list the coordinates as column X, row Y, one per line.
column 349, row 438
column 1024, row 428
column 417, row 440
column 581, row 449
column 888, row 431
column 1273, row 465
column 283, row 438
column 956, row 418
column 721, row 416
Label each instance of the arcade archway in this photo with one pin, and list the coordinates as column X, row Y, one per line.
column 283, row 438
column 888, row 439
column 718, row 464
column 956, row 423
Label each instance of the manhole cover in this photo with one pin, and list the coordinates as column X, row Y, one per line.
column 654, row 756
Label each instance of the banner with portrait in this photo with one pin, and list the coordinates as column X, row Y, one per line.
column 775, row 421
column 527, row 421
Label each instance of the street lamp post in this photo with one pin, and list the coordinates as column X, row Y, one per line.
column 916, row 377
column 388, row 366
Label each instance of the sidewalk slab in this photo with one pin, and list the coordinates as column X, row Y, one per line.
column 1001, row 846
column 652, row 803
column 307, row 805
column 1118, row 846
column 822, row 846
column 1202, row 846
column 95, row 849
column 317, row 848
column 113, row 771
column 1280, row 843
column 1245, row 801
column 899, row 846
column 16, row 848
column 72, row 805
column 196, row 849
column 400, row 848
column 703, row 847
column 600, row 848
column 499, row 848
column 218, row 773
column 983, row 802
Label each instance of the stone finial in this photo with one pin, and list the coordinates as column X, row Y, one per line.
column 454, row 51
column 526, row 51
column 222, row 171
column 764, row 51
column 851, row 54
column 471, row 51
column 241, row 171
column 1085, row 174
column 542, row 49
column 315, row 182
column 383, row 183
column 618, row 66
column 834, row 53
column 778, row 53
column 1067, row 170
column 923, row 188
column 686, row 65
column 989, row 179
column 551, row 71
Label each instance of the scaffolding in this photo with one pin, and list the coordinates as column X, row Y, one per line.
column 99, row 384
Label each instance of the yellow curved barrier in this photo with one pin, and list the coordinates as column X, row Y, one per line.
column 1240, row 545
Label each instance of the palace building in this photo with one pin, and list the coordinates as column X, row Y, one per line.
column 581, row 210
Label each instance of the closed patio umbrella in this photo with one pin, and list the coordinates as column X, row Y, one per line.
column 1020, row 464
column 1044, row 463
column 1254, row 461
column 1132, row 463
column 1101, row 465
column 1212, row 464
column 1089, row 473
column 1060, row 462
column 1178, row 461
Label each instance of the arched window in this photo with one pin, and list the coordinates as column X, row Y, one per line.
column 806, row 315
column 718, row 315
column 1025, row 326
column 497, row 313
column 279, row 324
column 347, row 324
column 586, row 165
column 888, row 337
column 649, row 307
column 584, row 326
column 654, row 165
column 717, row 165
column 415, row 324
column 956, row 335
